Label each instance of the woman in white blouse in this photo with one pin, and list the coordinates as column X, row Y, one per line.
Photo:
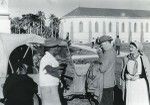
column 136, row 72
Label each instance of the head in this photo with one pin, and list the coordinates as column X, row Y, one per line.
column 105, row 42
column 135, row 48
column 117, row 36
column 22, row 69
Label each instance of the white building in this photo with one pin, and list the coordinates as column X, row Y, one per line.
column 4, row 17
column 83, row 24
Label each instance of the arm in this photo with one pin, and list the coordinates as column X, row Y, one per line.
column 48, row 68
column 123, row 67
column 7, row 86
column 147, row 67
column 69, row 77
column 54, row 71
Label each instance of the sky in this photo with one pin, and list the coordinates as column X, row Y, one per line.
column 62, row 7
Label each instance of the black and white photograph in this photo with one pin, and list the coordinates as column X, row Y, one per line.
column 74, row 52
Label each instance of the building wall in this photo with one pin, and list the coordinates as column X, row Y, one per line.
column 4, row 24
column 4, row 17
column 103, row 28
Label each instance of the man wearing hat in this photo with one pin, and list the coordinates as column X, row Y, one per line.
column 49, row 74
column 107, row 67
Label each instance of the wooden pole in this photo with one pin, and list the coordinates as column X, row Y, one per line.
column 26, row 52
column 12, row 70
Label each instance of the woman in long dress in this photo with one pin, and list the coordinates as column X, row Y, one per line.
column 136, row 76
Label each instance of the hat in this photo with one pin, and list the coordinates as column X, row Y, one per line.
column 138, row 45
column 104, row 39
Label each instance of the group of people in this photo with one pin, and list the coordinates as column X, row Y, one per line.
column 19, row 88
column 135, row 74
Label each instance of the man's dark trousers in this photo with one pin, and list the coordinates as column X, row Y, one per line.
column 118, row 50
column 107, row 98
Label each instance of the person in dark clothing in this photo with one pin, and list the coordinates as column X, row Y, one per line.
column 19, row 88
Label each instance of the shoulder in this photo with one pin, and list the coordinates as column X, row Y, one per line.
column 144, row 58
column 12, row 76
column 47, row 57
column 30, row 79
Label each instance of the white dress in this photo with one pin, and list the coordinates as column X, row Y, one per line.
column 136, row 91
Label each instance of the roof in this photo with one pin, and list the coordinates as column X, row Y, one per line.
column 83, row 11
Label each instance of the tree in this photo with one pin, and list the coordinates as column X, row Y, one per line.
column 15, row 25
column 41, row 18
column 35, row 23
column 47, row 32
column 54, row 25
column 30, row 22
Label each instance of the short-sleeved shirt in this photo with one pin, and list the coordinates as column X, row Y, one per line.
column 45, row 79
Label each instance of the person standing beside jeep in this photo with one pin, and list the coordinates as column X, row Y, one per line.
column 107, row 67
column 49, row 78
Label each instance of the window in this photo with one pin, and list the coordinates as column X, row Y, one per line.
column 96, row 27
column 135, row 27
column 110, row 27
column 81, row 26
column 147, row 27
column 123, row 27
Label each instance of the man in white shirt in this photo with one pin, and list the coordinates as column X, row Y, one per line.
column 49, row 83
